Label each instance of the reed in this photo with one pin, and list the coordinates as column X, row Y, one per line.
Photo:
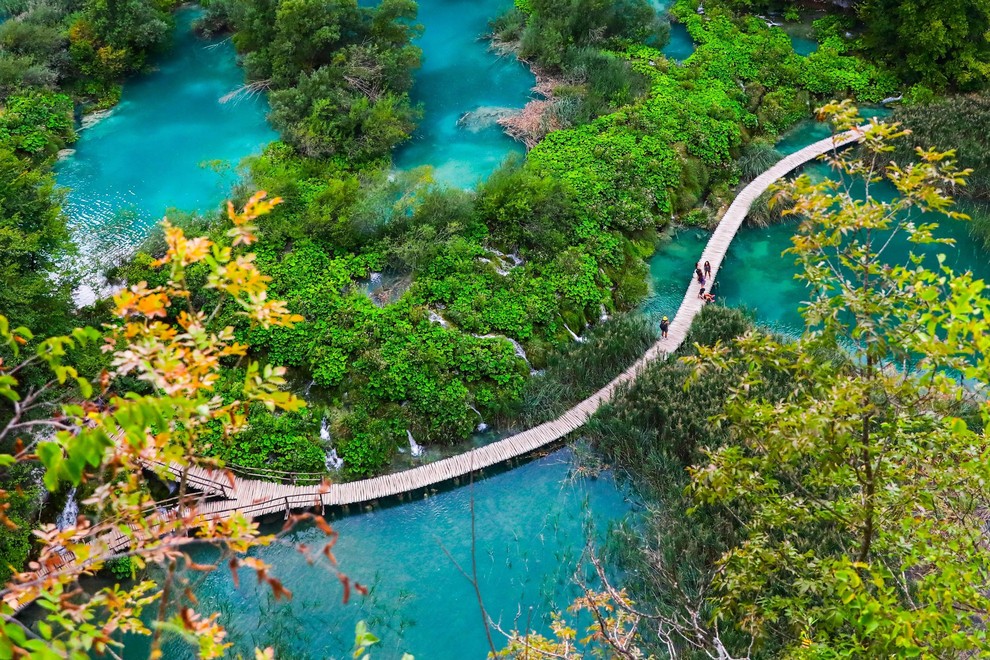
column 582, row 368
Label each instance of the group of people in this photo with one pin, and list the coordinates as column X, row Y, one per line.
column 704, row 274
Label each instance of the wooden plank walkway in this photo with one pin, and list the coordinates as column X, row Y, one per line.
column 256, row 498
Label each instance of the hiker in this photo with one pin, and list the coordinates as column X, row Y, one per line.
column 708, row 270
column 664, row 326
column 701, row 276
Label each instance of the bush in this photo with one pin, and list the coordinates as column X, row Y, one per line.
column 959, row 122
column 121, row 568
column 585, row 367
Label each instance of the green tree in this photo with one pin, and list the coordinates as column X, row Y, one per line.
column 102, row 432
column 862, row 490
column 940, row 44
column 34, row 243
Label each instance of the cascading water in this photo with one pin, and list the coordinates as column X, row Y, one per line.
column 520, row 351
column 482, row 427
column 414, row 447
column 436, row 318
column 576, row 338
column 604, row 315
column 507, row 261
column 332, row 461
column 70, row 512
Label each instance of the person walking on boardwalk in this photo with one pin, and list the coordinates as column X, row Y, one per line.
column 701, row 276
column 708, row 270
column 664, row 326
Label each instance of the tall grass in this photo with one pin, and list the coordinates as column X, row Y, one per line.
column 956, row 122
column 756, row 158
column 650, row 433
column 583, row 368
column 762, row 213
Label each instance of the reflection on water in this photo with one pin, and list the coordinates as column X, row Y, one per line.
column 532, row 524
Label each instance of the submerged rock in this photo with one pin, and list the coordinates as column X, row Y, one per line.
column 484, row 117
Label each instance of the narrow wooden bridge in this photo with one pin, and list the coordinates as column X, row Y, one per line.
column 222, row 493
column 257, row 498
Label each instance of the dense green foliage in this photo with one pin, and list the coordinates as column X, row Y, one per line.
column 571, row 40
column 929, row 43
column 465, row 275
column 82, row 46
column 22, row 502
column 582, row 369
column 650, row 434
column 665, row 154
column 33, row 238
column 339, row 72
column 961, row 123
column 939, row 44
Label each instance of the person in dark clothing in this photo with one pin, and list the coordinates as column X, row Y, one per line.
column 664, row 326
column 708, row 270
column 701, row 276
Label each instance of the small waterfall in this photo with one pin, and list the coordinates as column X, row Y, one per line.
column 520, row 351
column 308, row 387
column 375, row 278
column 173, row 487
column 436, row 318
column 482, row 427
column 70, row 513
column 414, row 448
column 604, row 315
column 505, row 268
column 576, row 338
column 333, row 462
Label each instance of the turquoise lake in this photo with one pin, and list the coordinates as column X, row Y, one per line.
column 757, row 275
column 463, row 86
column 532, row 523
column 151, row 152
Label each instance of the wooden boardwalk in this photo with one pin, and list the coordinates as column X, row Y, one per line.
column 260, row 498
column 223, row 493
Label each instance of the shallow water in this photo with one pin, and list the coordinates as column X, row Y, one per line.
column 802, row 45
column 151, row 152
column 531, row 528
column 460, row 75
column 757, row 275
column 680, row 47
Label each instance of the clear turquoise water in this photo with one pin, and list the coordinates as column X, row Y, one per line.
column 680, row 47
column 149, row 153
column 757, row 275
column 461, row 75
column 532, row 522
column 803, row 46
